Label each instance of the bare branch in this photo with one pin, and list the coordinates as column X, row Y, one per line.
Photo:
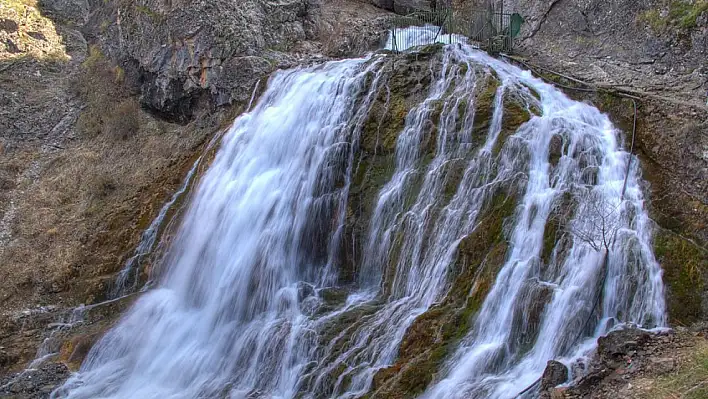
column 597, row 221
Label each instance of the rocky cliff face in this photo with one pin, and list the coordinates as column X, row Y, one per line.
column 649, row 45
column 184, row 52
column 189, row 55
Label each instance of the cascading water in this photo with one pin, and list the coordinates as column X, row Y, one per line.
column 244, row 307
column 489, row 364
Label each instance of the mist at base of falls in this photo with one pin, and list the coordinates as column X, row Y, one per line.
column 320, row 244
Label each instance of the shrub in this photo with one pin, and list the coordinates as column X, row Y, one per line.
column 110, row 109
column 123, row 122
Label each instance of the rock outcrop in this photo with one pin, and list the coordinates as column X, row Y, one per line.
column 195, row 55
column 632, row 363
column 556, row 373
column 184, row 52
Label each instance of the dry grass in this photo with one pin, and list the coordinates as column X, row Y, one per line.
column 110, row 108
column 75, row 222
column 690, row 381
column 79, row 209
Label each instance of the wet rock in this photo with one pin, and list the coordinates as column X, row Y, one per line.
column 304, row 291
column 556, row 373
column 334, row 296
column 555, row 150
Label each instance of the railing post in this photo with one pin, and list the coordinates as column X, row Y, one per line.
column 501, row 16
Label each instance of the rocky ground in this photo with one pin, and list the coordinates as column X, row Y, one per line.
column 635, row 364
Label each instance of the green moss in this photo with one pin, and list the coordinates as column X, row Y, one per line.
column 371, row 174
column 434, row 335
column 685, row 268
column 424, row 51
column 515, row 115
column 654, row 19
column 680, row 14
column 462, row 108
column 533, row 92
column 474, row 249
column 334, row 296
column 549, row 240
column 94, row 57
column 105, row 24
column 333, row 327
column 455, row 171
column 685, row 15
column 484, row 102
column 430, row 136
column 381, row 129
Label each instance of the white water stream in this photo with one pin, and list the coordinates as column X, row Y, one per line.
column 235, row 313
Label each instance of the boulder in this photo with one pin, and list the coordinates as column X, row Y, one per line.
column 67, row 11
column 556, row 373
column 614, row 348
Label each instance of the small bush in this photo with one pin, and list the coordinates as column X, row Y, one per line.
column 102, row 186
column 110, row 109
column 123, row 121
column 688, row 17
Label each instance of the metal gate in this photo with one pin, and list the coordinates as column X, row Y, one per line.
column 489, row 28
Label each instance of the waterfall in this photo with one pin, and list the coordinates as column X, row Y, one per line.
column 489, row 364
column 254, row 301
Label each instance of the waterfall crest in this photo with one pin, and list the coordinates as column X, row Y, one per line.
column 438, row 231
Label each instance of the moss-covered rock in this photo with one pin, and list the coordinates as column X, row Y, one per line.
column 403, row 87
column 685, row 271
column 484, row 104
column 434, row 335
column 516, row 113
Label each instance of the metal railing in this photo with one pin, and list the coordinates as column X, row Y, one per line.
column 490, row 29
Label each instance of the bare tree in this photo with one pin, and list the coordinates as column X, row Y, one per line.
column 597, row 222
